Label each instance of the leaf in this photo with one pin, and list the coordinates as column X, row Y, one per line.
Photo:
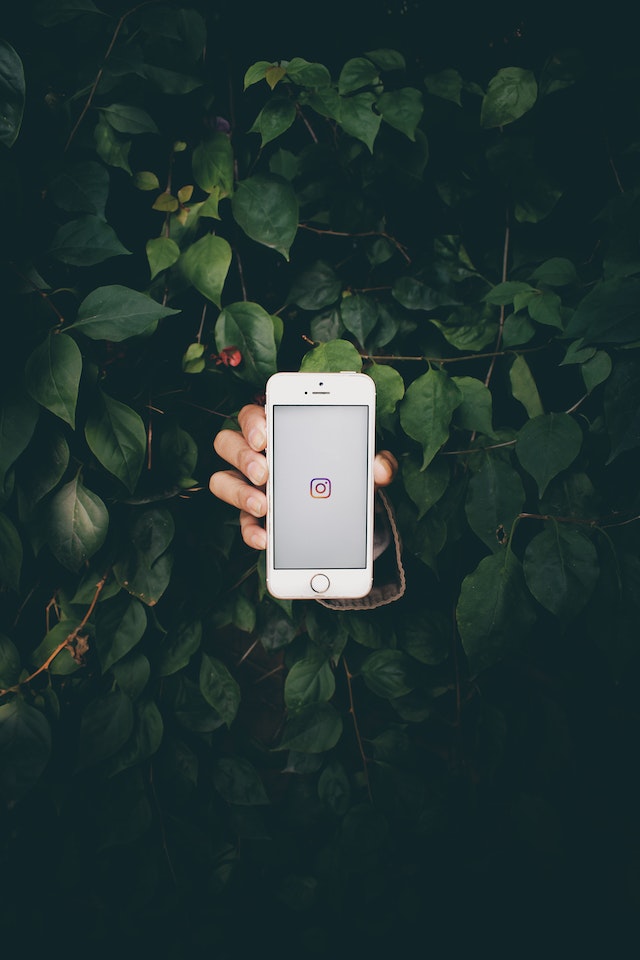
column 120, row 625
column 495, row 497
column 556, row 272
column 561, row 569
column 248, row 327
column 132, row 674
column 425, row 486
column 310, row 680
column 18, row 418
column 358, row 119
column 313, row 729
column 25, row 748
column 548, row 444
column 426, row 411
column 10, row 554
column 162, row 253
column 117, row 438
column 76, row 523
column 81, row 188
column 145, row 569
column 426, row 636
column 494, row 611
column 266, row 208
column 111, row 146
column 106, row 725
column 205, row 265
column 144, row 742
column 511, row 93
column 238, row 781
column 332, row 357
column 165, row 202
column 316, row 287
column 213, row 165
column 402, row 109
column 256, row 72
column 476, row 410
column 9, row 662
column 357, row 73
column 178, row 646
column 127, row 119
column 116, row 313
column 52, row 376
column 523, row 387
column 506, row 292
column 276, row 116
column 546, row 308
column 146, row 180
column 274, row 75
column 622, row 408
column 387, row 59
column 334, row 789
column 608, row 314
column 388, row 673
column 596, row 370
column 169, row 81
column 447, row 84
column 12, row 94
column 389, row 388
column 219, row 688
column 63, row 664
column 308, row 74
column 359, row 314
column 415, row 295
column 85, row 242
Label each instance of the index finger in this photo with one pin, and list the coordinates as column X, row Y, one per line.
column 252, row 421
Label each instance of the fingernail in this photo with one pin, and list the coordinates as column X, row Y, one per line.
column 256, row 472
column 254, row 506
column 259, row 540
column 257, row 439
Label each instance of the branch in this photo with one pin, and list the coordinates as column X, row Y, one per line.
column 352, row 711
column 505, row 260
column 364, row 233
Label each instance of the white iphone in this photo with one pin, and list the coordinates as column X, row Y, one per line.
column 320, row 451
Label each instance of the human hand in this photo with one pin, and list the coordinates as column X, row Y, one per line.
column 243, row 485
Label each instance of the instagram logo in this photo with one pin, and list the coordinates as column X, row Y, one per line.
column 320, row 488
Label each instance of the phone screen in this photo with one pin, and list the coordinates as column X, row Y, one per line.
column 320, row 480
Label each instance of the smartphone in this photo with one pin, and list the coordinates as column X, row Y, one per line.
column 320, row 451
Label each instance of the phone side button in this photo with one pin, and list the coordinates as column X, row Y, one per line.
column 319, row 583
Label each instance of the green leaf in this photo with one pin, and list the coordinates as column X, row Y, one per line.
column 359, row 314
column 145, row 569
column 12, row 94
column 313, row 729
column 548, row 444
column 308, row 74
column 426, row 636
column 120, row 625
column 495, row 497
column 111, row 146
column 117, row 313
column 494, row 611
column 238, row 781
column 213, row 165
column 357, row 73
column 388, row 673
column 219, row 688
column 132, row 674
column 248, row 327
column 256, row 72
column 358, row 119
column 10, row 554
column 425, row 487
column 506, row 292
column 596, row 370
column 622, row 408
column 389, row 388
column 415, row 295
column 81, row 188
column 523, row 387
column 52, row 376
column 332, row 357
column 546, row 308
column 9, row 662
column 556, row 272
column 402, row 109
column 106, row 725
column 310, row 680
column 25, row 747
column 117, row 438
column 608, row 314
column 316, row 287
column 144, row 742
column 205, row 265
column 447, row 84
column 178, row 646
column 127, row 119
column 146, row 180
column 476, row 410
column 387, row 59
column 76, row 523
column 334, row 789
column 469, row 328
column 510, row 94
column 85, row 242
column 169, row 81
column 427, row 409
column 266, row 208
column 276, row 116
column 18, row 418
column 561, row 569
column 162, row 253
column 42, row 467
column 63, row 663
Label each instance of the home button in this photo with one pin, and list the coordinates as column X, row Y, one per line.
column 320, row 583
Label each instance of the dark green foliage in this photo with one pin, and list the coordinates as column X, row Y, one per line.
column 187, row 766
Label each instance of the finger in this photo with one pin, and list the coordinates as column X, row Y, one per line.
column 385, row 467
column 253, row 423
column 253, row 534
column 232, row 487
column 232, row 447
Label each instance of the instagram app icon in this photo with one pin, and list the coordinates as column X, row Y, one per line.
column 320, row 488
